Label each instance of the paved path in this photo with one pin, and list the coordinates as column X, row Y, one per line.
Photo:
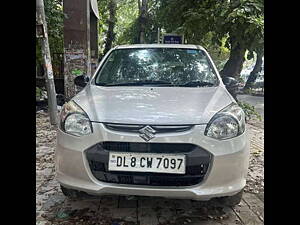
column 52, row 207
column 113, row 210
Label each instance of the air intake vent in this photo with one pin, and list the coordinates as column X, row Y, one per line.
column 158, row 128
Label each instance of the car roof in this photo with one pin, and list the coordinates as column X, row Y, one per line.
column 159, row 46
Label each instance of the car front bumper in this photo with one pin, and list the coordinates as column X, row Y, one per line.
column 225, row 177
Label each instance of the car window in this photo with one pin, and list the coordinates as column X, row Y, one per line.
column 175, row 66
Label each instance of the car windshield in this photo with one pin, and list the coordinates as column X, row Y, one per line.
column 157, row 67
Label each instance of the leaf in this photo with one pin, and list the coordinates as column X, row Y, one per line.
column 62, row 215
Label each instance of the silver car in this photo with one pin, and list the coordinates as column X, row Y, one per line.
column 153, row 120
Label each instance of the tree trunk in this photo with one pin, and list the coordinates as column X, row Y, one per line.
column 142, row 21
column 234, row 65
column 254, row 73
column 110, row 37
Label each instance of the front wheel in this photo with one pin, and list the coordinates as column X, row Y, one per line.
column 72, row 194
column 232, row 200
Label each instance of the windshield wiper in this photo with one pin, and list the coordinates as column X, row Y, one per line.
column 142, row 82
column 197, row 83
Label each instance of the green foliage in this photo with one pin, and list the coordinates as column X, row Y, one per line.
column 102, row 23
column 219, row 54
column 38, row 92
column 152, row 24
column 216, row 25
column 126, row 26
column 77, row 72
column 54, row 19
column 241, row 20
column 250, row 111
column 210, row 23
column 245, row 23
column 194, row 20
column 248, row 91
column 128, row 22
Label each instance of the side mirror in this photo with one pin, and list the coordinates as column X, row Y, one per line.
column 230, row 82
column 81, row 80
column 231, row 85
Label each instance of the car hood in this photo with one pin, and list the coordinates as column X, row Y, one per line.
column 152, row 105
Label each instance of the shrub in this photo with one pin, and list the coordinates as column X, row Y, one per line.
column 38, row 92
column 250, row 111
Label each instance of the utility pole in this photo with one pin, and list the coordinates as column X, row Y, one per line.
column 42, row 33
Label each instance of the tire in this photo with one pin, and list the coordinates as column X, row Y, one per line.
column 232, row 200
column 72, row 194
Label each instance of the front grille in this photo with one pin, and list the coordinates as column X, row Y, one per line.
column 197, row 164
column 147, row 147
column 133, row 128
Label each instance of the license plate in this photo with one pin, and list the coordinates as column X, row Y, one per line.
column 146, row 162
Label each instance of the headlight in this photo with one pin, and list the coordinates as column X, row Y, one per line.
column 228, row 123
column 73, row 120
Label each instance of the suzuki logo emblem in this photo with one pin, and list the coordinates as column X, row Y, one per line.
column 147, row 133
